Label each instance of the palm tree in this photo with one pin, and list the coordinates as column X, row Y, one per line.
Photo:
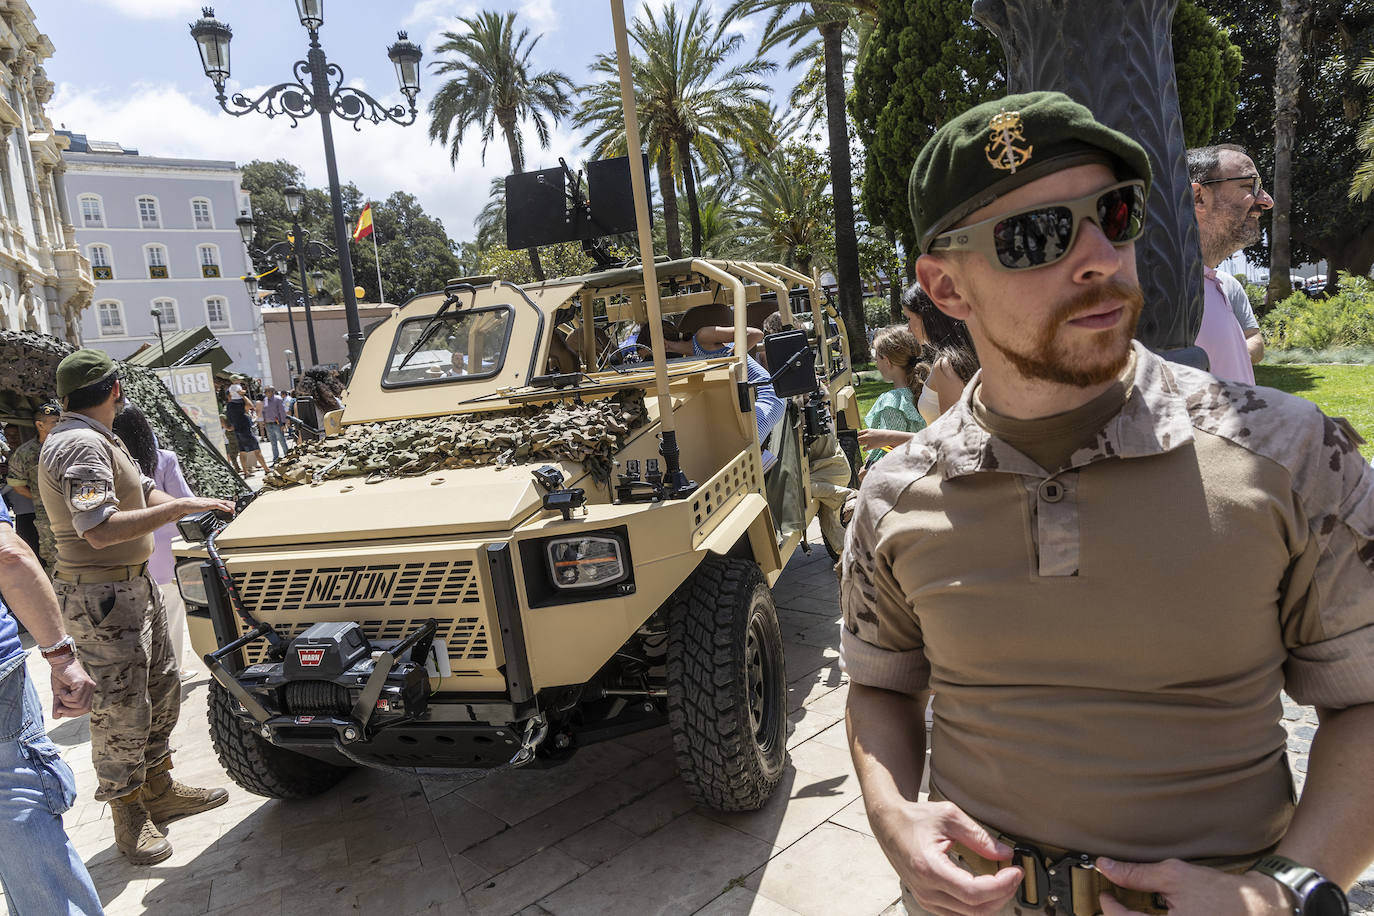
column 791, row 21
column 492, row 87
column 1363, row 183
column 1293, row 19
column 785, row 211
column 689, row 107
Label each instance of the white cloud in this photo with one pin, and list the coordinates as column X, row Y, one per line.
column 155, row 9
column 538, row 16
column 161, row 120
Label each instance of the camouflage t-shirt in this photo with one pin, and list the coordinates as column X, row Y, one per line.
column 1107, row 644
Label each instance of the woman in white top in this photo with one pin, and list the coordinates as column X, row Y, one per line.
column 947, row 349
column 237, row 409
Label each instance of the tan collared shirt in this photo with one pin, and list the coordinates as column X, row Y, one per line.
column 1107, row 643
column 85, row 476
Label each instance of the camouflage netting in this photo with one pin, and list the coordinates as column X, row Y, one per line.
column 28, row 369
column 590, row 432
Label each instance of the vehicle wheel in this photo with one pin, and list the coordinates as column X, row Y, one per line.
column 259, row 766
column 727, row 692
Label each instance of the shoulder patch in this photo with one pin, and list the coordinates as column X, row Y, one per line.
column 87, row 493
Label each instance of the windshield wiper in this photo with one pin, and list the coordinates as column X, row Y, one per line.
column 450, row 299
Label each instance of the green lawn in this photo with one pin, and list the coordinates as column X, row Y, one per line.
column 1343, row 391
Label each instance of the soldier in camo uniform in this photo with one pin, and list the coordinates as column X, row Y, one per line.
column 1107, row 568
column 23, row 476
column 103, row 513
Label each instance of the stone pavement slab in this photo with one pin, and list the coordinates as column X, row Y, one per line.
column 610, row 832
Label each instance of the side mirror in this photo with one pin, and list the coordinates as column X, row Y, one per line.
column 792, row 363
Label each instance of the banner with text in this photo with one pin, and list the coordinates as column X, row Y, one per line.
column 193, row 387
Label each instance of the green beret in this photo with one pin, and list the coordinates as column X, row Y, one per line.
column 82, row 368
column 998, row 146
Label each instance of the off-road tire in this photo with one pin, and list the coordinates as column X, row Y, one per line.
column 727, row 690
column 259, row 766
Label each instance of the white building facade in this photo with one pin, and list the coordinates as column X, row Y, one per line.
column 45, row 283
column 160, row 236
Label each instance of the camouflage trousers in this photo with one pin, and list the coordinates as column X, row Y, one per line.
column 830, row 475
column 47, row 541
column 120, row 630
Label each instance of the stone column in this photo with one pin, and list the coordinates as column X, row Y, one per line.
column 1118, row 59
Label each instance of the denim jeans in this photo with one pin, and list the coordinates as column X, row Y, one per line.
column 40, row 869
column 278, row 439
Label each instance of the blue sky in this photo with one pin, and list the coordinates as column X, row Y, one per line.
column 127, row 70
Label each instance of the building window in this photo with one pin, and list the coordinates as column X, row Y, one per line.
column 101, row 265
column 157, row 261
column 147, row 213
column 200, row 214
column 111, row 316
column 92, row 213
column 217, row 312
column 168, row 310
column 209, row 260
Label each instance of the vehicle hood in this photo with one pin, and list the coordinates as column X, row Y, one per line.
column 452, row 501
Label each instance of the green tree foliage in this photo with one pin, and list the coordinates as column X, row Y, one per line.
column 1325, row 222
column 787, row 214
column 417, row 255
column 564, row 260
column 691, row 106
column 493, row 85
column 1362, row 185
column 927, row 61
column 1207, row 67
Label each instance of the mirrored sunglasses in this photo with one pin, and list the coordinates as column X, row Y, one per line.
column 1043, row 234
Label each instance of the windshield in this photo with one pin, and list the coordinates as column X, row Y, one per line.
column 460, row 346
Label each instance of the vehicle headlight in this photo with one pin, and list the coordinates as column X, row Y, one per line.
column 586, row 561
column 191, row 584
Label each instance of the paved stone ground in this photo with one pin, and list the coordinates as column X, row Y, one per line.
column 611, row 832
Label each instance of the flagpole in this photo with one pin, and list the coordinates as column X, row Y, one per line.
column 381, row 298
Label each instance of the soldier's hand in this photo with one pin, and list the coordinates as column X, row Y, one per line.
column 72, row 688
column 1192, row 890
column 917, row 837
column 194, row 504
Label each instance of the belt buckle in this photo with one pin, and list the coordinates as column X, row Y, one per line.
column 1050, row 884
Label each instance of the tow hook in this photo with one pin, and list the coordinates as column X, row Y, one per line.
column 536, row 730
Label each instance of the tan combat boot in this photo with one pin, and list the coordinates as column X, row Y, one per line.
column 135, row 833
column 166, row 799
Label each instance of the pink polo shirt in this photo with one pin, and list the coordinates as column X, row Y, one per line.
column 1221, row 335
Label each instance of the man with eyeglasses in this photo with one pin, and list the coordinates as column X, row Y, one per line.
column 1229, row 199
column 1106, row 567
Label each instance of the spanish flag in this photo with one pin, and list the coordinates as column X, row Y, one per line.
column 364, row 224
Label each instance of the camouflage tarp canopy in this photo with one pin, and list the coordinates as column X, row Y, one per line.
column 590, row 432
column 28, row 371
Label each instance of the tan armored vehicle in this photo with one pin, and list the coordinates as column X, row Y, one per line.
column 474, row 597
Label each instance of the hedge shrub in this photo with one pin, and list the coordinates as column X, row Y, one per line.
column 1346, row 319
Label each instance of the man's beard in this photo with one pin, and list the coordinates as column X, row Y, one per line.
column 1048, row 360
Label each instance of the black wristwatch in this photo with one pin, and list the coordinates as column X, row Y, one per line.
column 1313, row 894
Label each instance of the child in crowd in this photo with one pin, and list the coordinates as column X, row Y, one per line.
column 897, row 356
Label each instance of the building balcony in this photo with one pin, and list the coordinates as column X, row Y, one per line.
column 157, row 272
column 103, row 273
column 209, row 271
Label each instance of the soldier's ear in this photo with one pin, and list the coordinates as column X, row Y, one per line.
column 1198, row 200
column 939, row 277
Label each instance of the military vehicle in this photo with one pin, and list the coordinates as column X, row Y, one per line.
column 523, row 534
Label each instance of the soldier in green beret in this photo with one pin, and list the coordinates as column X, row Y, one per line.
column 1105, row 568
column 103, row 512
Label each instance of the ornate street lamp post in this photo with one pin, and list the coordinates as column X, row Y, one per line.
column 157, row 316
column 317, row 89
column 298, row 248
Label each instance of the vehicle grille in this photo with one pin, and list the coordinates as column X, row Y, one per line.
column 294, row 599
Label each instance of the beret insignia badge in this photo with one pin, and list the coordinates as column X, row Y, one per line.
column 1004, row 135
